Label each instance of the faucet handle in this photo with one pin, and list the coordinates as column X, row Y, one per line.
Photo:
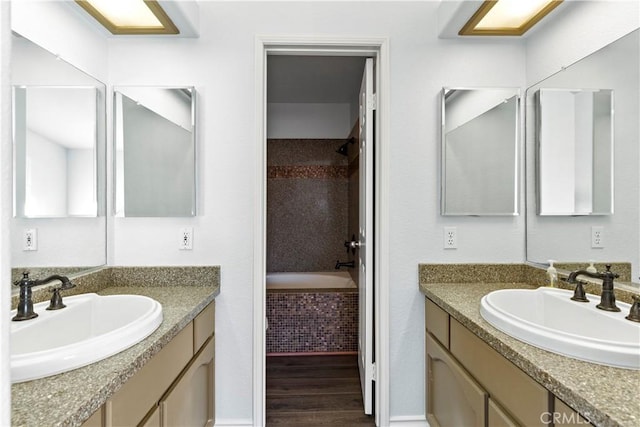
column 634, row 312
column 579, row 294
column 56, row 299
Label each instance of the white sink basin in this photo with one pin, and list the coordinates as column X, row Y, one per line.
column 90, row 328
column 549, row 319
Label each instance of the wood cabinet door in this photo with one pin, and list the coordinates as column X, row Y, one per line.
column 497, row 417
column 563, row 415
column 153, row 420
column 190, row 400
column 454, row 399
column 516, row 391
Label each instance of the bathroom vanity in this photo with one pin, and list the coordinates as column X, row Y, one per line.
column 175, row 387
column 495, row 379
column 166, row 379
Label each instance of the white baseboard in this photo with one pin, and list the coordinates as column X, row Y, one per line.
column 399, row 421
column 408, row 421
column 234, row 422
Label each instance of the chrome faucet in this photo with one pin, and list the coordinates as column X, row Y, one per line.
column 25, row 304
column 607, row 298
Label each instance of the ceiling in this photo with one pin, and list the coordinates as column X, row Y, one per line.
column 313, row 79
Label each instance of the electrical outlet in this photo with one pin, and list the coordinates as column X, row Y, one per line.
column 450, row 238
column 186, row 239
column 597, row 237
column 30, row 241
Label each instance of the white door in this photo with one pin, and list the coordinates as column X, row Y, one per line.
column 365, row 252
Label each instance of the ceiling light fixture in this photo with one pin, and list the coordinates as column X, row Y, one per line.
column 507, row 17
column 130, row 16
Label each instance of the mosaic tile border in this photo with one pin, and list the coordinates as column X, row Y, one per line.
column 307, row 172
column 312, row 322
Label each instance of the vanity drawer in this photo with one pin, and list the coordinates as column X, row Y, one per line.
column 437, row 322
column 137, row 396
column 506, row 383
column 203, row 326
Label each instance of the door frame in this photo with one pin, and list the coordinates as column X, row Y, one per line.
column 378, row 48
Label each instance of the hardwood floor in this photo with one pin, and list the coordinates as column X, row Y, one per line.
column 307, row 391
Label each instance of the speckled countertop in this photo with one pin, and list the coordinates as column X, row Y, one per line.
column 604, row 395
column 68, row 399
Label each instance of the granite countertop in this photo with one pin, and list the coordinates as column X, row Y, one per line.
column 70, row 398
column 604, row 395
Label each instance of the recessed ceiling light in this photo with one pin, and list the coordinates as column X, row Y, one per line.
column 130, row 16
column 507, row 17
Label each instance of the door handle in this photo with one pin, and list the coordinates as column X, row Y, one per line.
column 353, row 244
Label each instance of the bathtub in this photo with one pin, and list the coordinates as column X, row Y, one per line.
column 312, row 280
column 311, row 313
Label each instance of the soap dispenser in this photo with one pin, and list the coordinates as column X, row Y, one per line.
column 592, row 268
column 552, row 273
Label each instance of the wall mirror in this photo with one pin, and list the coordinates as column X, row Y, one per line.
column 155, row 163
column 574, row 136
column 55, row 165
column 615, row 67
column 476, row 122
column 59, row 163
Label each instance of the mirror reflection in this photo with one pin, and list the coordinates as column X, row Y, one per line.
column 570, row 238
column 54, row 165
column 575, row 151
column 155, row 151
column 59, row 164
column 476, row 122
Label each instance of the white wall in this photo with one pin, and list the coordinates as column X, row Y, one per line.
column 300, row 121
column 46, row 177
column 56, row 27
column 81, row 182
column 6, row 160
column 221, row 66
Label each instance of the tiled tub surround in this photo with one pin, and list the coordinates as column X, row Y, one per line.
column 316, row 321
column 70, row 398
column 307, row 204
column 604, row 395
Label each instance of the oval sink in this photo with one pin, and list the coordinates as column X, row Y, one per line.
column 90, row 328
column 547, row 318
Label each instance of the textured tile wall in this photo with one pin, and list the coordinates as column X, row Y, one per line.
column 307, row 204
column 312, row 322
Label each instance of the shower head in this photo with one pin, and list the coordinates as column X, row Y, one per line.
column 344, row 148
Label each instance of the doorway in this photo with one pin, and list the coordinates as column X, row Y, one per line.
column 373, row 370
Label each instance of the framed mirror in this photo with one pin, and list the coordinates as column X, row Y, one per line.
column 59, row 222
column 155, row 147
column 476, row 122
column 574, row 136
column 615, row 67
